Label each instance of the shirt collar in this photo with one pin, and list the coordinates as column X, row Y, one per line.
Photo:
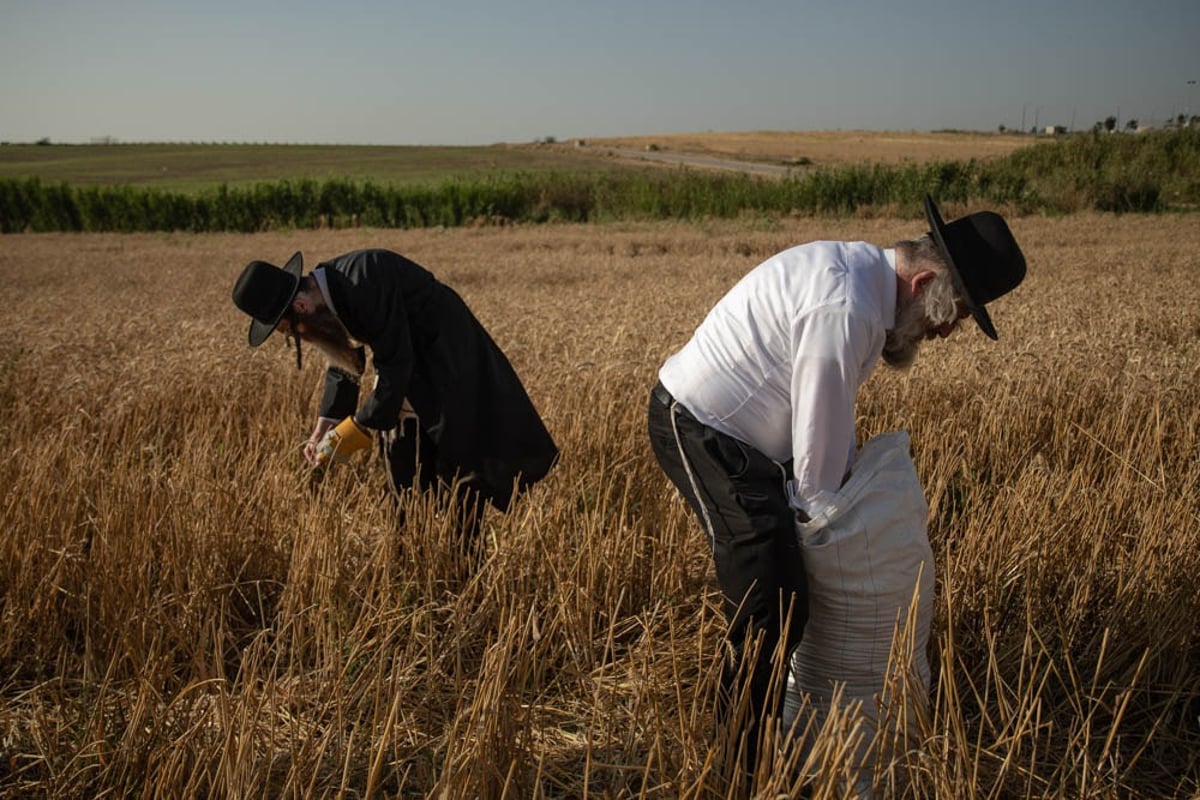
column 889, row 291
column 323, row 285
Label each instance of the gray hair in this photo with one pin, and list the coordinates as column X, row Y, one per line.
column 940, row 298
column 936, row 305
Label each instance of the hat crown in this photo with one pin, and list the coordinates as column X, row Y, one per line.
column 986, row 254
column 259, row 288
column 264, row 291
column 983, row 256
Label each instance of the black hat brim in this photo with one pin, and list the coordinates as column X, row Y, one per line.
column 259, row 330
column 937, row 225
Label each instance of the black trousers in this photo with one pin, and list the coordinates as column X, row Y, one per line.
column 411, row 456
column 740, row 497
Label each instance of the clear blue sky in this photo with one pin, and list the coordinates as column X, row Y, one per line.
column 484, row 71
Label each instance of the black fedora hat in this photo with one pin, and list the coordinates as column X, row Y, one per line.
column 264, row 291
column 984, row 258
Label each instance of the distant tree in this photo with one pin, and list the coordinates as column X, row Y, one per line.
column 1002, row 128
column 1181, row 120
column 1110, row 124
column 1131, row 125
column 45, row 140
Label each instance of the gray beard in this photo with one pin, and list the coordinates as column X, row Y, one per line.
column 935, row 306
column 326, row 332
column 903, row 341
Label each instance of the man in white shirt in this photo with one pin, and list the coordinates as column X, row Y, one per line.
column 764, row 393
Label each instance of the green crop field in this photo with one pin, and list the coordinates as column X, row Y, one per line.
column 187, row 167
column 126, row 188
column 192, row 167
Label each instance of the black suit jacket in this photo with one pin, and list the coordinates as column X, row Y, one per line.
column 426, row 345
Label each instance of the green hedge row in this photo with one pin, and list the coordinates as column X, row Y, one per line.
column 1108, row 172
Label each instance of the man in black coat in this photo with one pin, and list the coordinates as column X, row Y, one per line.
column 446, row 403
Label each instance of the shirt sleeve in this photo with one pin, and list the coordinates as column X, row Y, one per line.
column 340, row 395
column 377, row 306
column 828, row 346
column 392, row 356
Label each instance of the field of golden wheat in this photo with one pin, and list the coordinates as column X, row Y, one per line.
column 830, row 148
column 184, row 615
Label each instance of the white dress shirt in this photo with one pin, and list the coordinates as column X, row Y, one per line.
column 778, row 361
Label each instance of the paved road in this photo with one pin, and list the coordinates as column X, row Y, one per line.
column 693, row 160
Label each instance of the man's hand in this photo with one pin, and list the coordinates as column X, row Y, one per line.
column 314, row 441
column 343, row 441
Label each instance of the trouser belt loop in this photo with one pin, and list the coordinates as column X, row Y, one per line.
column 662, row 395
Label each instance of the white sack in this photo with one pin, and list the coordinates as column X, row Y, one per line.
column 866, row 555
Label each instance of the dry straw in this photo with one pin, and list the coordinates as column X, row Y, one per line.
column 184, row 616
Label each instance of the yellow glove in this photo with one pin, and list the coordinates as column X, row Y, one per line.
column 341, row 442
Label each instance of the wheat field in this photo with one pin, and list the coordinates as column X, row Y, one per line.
column 186, row 615
column 827, row 148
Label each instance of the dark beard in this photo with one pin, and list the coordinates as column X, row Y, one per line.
column 323, row 329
